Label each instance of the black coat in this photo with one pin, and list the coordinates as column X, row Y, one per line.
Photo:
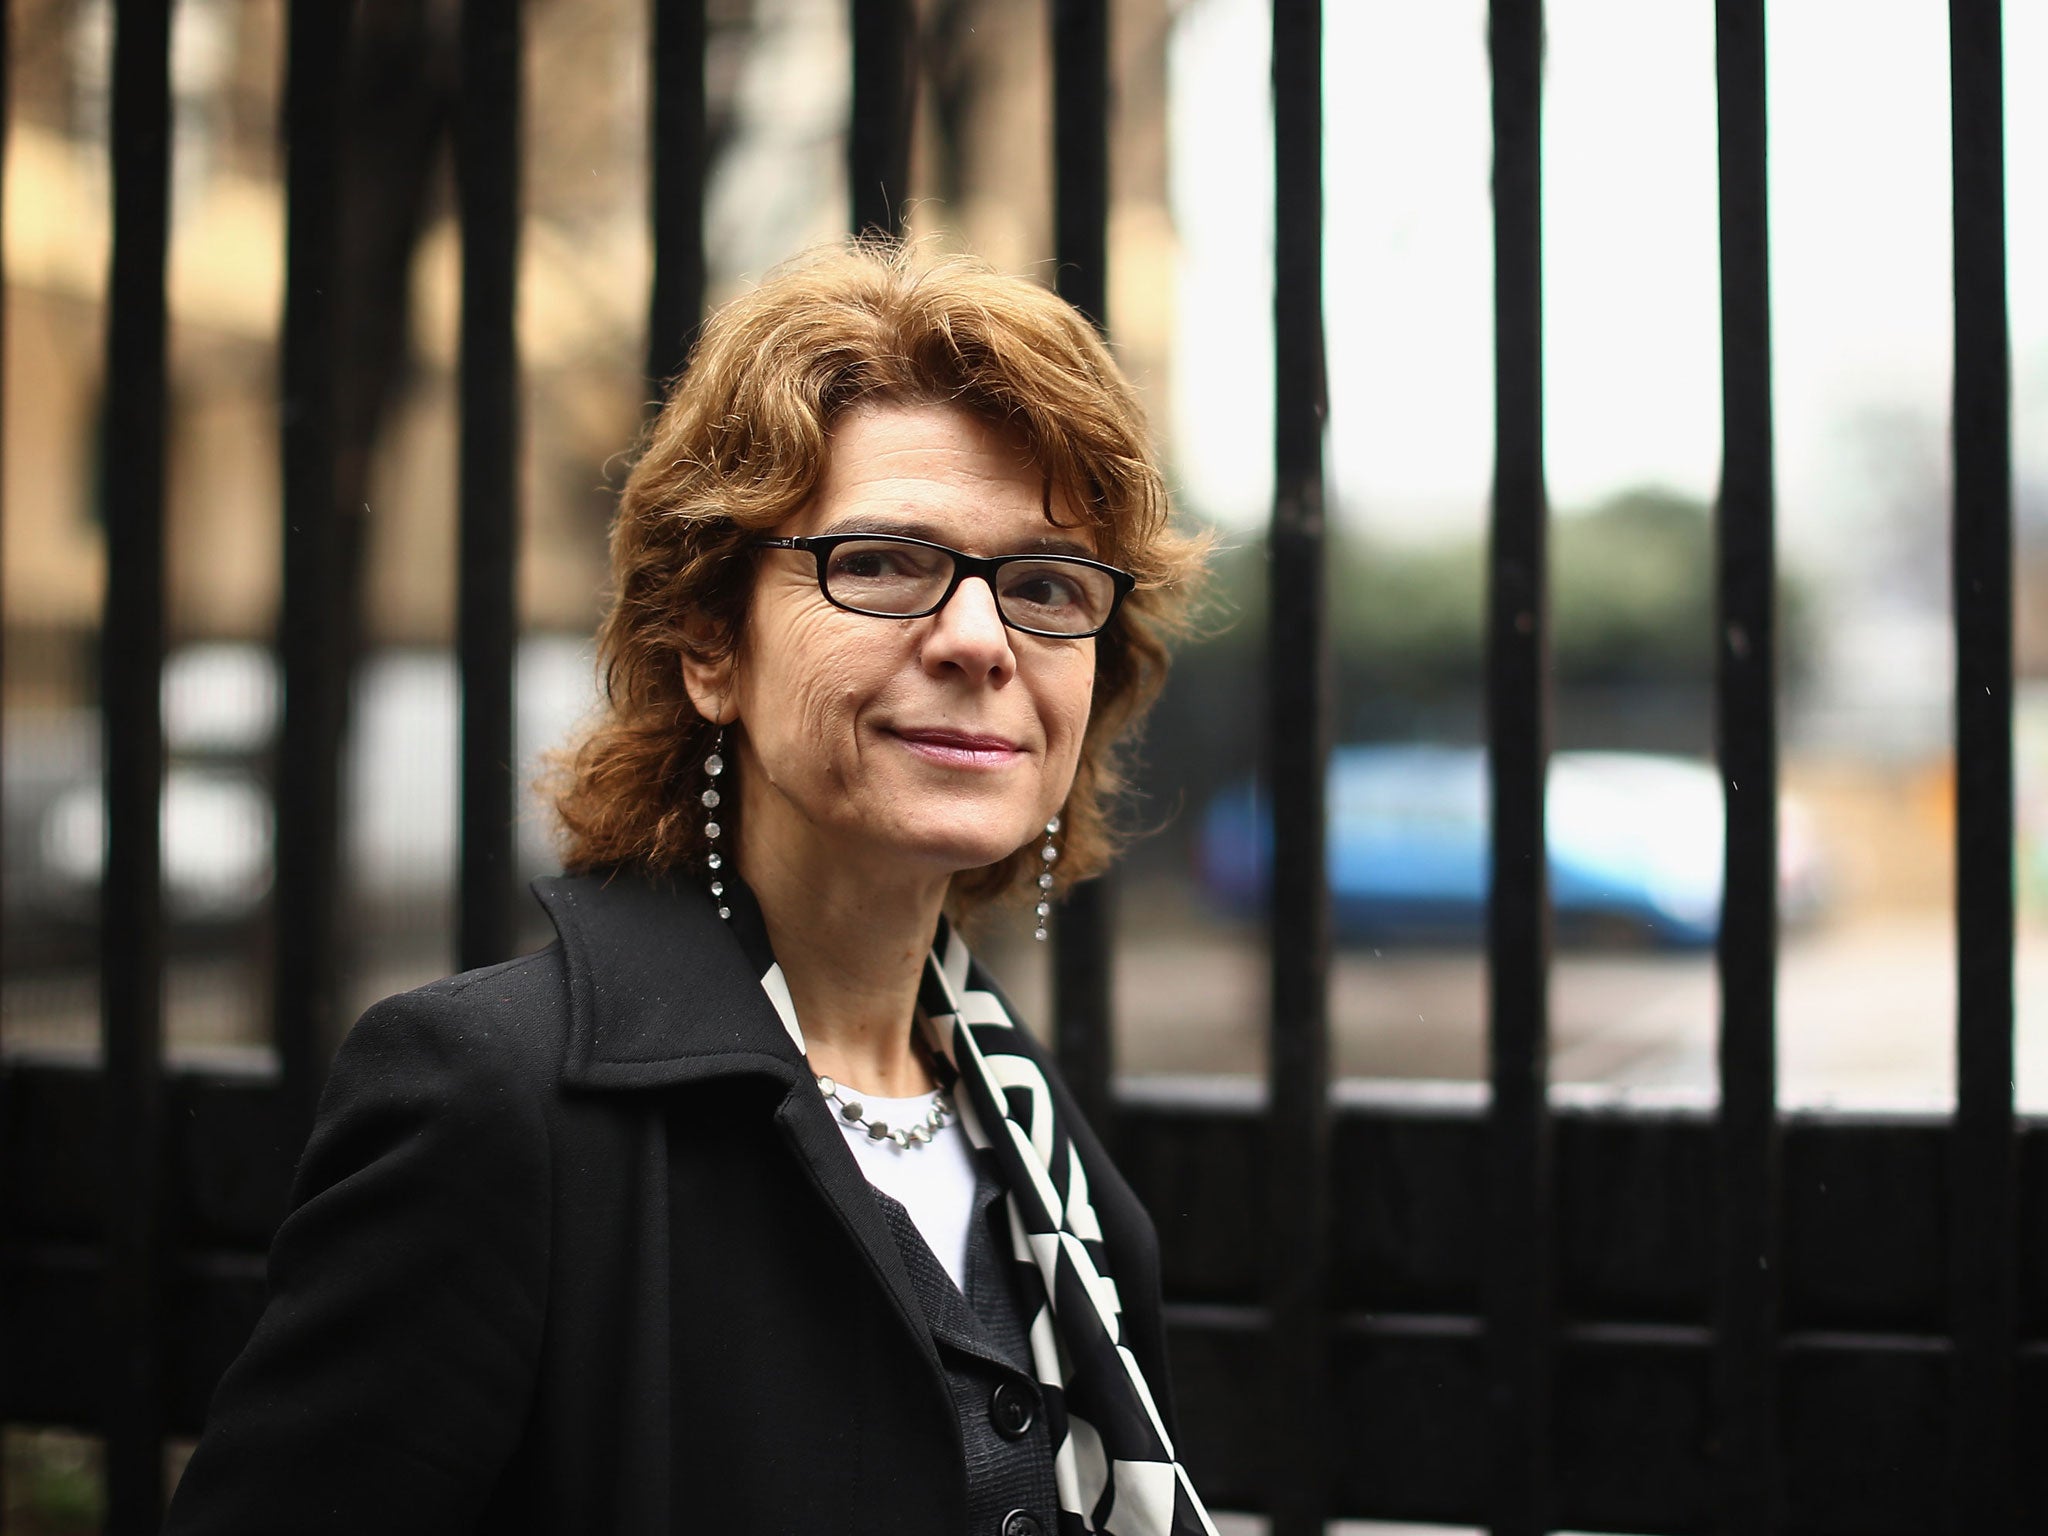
column 576, row 1247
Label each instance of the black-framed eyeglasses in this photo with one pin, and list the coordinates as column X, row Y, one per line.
column 888, row 576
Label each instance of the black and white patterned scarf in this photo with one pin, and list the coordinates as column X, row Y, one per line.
column 1113, row 1461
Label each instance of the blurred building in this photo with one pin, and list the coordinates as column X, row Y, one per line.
column 777, row 78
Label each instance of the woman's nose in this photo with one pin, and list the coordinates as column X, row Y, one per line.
column 969, row 633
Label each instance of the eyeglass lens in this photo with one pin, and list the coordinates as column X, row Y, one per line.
column 883, row 577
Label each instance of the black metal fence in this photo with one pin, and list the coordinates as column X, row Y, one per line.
column 1496, row 1312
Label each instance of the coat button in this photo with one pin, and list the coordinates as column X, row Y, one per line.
column 1009, row 1409
column 1021, row 1522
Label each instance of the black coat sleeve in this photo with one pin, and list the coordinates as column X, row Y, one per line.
column 386, row 1384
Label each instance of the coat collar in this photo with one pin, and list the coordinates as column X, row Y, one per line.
column 660, row 990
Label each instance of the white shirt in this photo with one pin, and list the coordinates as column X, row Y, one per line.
column 934, row 1182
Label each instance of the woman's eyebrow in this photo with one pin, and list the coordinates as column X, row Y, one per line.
column 876, row 522
column 1048, row 545
column 910, row 528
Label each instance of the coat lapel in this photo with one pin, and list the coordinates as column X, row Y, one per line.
column 821, row 1147
column 662, row 994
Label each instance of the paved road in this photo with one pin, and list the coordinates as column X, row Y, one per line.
column 1865, row 1013
column 1865, row 1010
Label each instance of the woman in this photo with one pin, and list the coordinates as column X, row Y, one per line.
column 745, row 1206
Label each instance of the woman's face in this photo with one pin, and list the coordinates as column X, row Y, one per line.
column 914, row 747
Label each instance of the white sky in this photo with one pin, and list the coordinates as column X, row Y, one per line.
column 1860, row 242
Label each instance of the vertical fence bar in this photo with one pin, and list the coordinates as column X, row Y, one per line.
column 487, row 160
column 1080, row 154
column 1518, row 1284
column 1746, row 729
column 884, row 100
column 1080, row 242
column 6, row 65
column 1298, row 685
column 6, row 76
column 312, row 627
column 1983, row 1272
column 131, row 671
column 676, row 162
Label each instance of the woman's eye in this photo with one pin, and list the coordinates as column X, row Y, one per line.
column 864, row 564
column 878, row 562
column 1044, row 589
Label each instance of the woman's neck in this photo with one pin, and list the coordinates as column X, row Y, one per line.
column 853, row 955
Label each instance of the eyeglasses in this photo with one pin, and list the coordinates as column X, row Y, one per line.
column 890, row 577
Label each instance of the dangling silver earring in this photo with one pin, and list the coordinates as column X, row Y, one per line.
column 714, row 765
column 1049, row 856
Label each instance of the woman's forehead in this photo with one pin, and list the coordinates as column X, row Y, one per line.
column 941, row 472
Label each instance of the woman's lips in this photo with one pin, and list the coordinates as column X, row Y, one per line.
column 960, row 749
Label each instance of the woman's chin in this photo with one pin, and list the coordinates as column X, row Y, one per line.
column 953, row 850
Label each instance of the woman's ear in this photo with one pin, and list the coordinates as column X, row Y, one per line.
column 709, row 674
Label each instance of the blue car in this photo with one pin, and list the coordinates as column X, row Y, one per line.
column 1635, row 847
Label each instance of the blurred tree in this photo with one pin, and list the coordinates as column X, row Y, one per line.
column 1632, row 593
column 1632, row 617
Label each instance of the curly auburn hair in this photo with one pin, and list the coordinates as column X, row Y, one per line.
column 740, row 446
